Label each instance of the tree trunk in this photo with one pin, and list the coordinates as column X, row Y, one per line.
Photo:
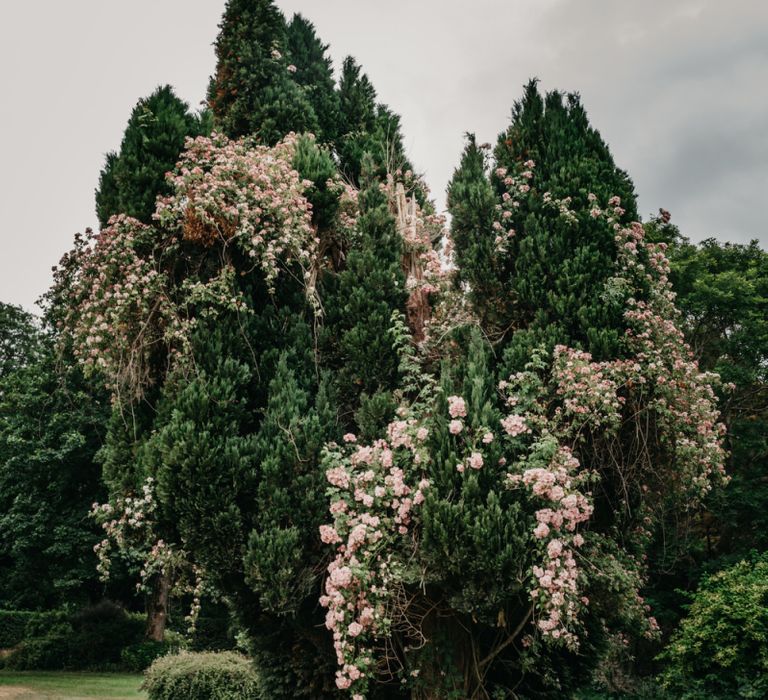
column 445, row 671
column 157, row 608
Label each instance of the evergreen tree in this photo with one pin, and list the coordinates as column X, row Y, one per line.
column 253, row 91
column 314, row 73
column 366, row 127
column 542, row 283
column 359, row 302
column 133, row 178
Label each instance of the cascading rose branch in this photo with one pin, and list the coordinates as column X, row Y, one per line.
column 233, row 194
column 373, row 489
column 130, row 532
column 119, row 308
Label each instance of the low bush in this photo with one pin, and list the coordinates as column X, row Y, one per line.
column 47, row 653
column 17, row 625
column 140, row 656
column 100, row 633
column 201, row 676
column 721, row 647
column 92, row 638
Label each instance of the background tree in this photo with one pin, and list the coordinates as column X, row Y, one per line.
column 51, row 425
column 20, row 339
column 721, row 290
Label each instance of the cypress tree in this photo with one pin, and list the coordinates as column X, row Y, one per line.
column 542, row 284
column 253, row 91
column 132, row 179
column 314, row 73
column 359, row 302
column 366, row 127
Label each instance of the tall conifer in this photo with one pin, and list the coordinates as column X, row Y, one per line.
column 133, row 177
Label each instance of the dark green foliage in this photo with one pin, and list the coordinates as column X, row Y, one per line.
column 90, row 638
column 472, row 525
column 140, row 656
column 723, row 293
column 315, row 163
column 213, row 632
column 547, row 287
column 359, row 302
column 721, row 650
column 45, row 653
column 204, row 461
column 14, row 625
column 154, row 137
column 20, row 339
column 471, row 201
column 51, row 425
column 202, row 676
column 253, row 92
column 273, row 78
column 314, row 73
column 366, row 128
column 282, row 553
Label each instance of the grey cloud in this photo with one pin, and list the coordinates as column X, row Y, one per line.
column 676, row 87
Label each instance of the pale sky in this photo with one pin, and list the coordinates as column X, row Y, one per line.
column 676, row 87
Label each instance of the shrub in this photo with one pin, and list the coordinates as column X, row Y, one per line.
column 201, row 676
column 100, row 633
column 138, row 657
column 212, row 633
column 41, row 653
column 18, row 625
column 721, row 647
column 90, row 638
column 13, row 624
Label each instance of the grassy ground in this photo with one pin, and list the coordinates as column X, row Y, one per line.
column 70, row 686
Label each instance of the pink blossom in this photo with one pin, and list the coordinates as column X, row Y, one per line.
column 476, row 460
column 457, row 408
column 329, row 535
column 514, row 425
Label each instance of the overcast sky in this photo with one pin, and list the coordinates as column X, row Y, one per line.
column 678, row 88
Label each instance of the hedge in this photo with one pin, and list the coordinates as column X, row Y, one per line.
column 202, row 676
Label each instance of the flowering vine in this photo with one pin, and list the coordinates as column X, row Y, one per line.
column 127, row 315
column 373, row 491
column 130, row 532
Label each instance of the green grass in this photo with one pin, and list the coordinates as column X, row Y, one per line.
column 72, row 686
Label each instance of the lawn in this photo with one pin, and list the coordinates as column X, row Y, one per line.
column 17, row 685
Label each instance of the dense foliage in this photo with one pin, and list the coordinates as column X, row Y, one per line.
column 93, row 638
column 410, row 460
column 720, row 649
column 51, row 426
column 133, row 177
column 206, row 676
